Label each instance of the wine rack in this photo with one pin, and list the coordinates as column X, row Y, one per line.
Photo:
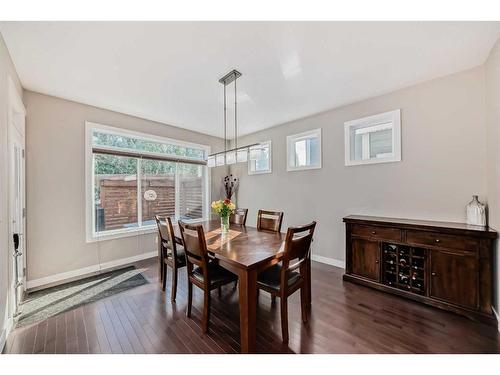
column 404, row 267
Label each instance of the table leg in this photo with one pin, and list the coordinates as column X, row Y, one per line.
column 248, row 309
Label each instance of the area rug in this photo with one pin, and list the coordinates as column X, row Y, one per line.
column 52, row 301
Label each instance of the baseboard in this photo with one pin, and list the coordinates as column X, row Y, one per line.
column 330, row 261
column 5, row 334
column 86, row 271
column 3, row 339
column 498, row 318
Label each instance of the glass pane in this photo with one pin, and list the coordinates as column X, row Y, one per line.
column 381, row 144
column 211, row 162
column 115, row 140
column 313, row 151
column 371, row 142
column 157, row 190
column 242, row 155
column 230, row 157
column 261, row 162
column 191, row 190
column 220, row 159
column 301, row 153
column 115, row 194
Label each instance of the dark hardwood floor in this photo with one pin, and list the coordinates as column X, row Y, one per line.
column 345, row 318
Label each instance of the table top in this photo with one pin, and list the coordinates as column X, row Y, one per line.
column 411, row 223
column 243, row 246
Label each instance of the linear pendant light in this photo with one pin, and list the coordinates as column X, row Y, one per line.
column 236, row 154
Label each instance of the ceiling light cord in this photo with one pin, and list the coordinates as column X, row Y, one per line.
column 225, row 138
column 235, row 117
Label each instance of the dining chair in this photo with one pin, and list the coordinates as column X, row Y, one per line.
column 239, row 216
column 269, row 220
column 282, row 279
column 171, row 252
column 202, row 270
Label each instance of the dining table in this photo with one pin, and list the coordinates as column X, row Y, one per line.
column 246, row 251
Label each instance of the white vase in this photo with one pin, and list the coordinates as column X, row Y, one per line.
column 476, row 212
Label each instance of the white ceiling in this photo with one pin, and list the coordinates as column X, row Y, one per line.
column 169, row 71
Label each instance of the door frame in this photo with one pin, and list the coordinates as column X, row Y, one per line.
column 16, row 132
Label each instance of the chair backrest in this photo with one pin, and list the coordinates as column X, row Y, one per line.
column 166, row 235
column 297, row 246
column 239, row 216
column 195, row 247
column 269, row 220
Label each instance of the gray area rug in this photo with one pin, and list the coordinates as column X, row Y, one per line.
column 52, row 301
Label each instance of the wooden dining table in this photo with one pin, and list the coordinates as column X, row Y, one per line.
column 245, row 251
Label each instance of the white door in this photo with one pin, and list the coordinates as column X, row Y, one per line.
column 17, row 220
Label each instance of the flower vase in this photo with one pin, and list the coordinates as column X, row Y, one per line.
column 224, row 224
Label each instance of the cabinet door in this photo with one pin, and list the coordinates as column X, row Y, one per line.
column 454, row 278
column 366, row 258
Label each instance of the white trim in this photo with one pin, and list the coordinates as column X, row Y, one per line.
column 87, row 270
column 270, row 170
column 330, row 261
column 3, row 339
column 393, row 117
column 144, row 136
column 9, row 323
column 315, row 133
column 122, row 233
column 498, row 318
column 5, row 333
column 91, row 236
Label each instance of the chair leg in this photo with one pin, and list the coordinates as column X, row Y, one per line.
column 173, row 293
column 160, row 267
column 164, row 277
column 190, row 298
column 273, row 299
column 284, row 319
column 303, row 302
column 219, row 291
column 206, row 310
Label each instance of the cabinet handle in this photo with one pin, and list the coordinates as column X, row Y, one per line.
column 437, row 240
column 373, row 232
column 376, row 261
column 433, row 273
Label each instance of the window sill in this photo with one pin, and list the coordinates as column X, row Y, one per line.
column 116, row 234
column 124, row 233
column 294, row 169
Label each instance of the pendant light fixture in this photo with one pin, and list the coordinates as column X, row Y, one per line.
column 236, row 154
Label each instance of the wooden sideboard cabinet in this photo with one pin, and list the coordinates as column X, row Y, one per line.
column 445, row 265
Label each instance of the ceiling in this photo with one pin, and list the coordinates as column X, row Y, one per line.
column 169, row 71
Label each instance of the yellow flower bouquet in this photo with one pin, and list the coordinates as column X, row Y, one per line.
column 223, row 208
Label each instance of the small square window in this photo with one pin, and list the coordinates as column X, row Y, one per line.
column 373, row 139
column 304, row 150
column 260, row 158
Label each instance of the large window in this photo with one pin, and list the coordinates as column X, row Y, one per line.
column 132, row 177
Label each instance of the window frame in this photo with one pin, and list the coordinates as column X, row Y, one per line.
column 292, row 139
column 393, row 117
column 90, row 127
column 270, row 170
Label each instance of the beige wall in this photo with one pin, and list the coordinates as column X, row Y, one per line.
column 56, row 211
column 6, row 70
column 443, row 163
column 492, row 78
